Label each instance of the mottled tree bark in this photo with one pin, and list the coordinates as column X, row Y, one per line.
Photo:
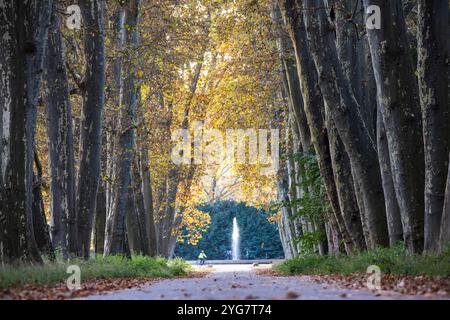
column 289, row 247
column 392, row 210
column 433, row 68
column 444, row 239
column 351, row 218
column 23, row 30
column 168, row 213
column 333, row 239
column 299, row 143
column 133, row 231
column 282, row 185
column 351, row 50
column 112, row 135
column 290, row 95
column 369, row 93
column 345, row 112
column 399, row 105
column 147, row 192
column 139, row 205
column 174, row 237
column 100, row 220
column 284, row 244
column 353, row 53
column 313, row 102
column 115, row 239
column 299, row 224
column 60, row 143
column 292, row 84
column 40, row 226
column 323, row 244
column 91, row 124
column 348, row 43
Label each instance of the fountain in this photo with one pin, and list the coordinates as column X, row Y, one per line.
column 235, row 241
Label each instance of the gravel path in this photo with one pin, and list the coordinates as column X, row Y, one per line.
column 240, row 282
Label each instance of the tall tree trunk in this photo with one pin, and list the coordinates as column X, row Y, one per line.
column 289, row 247
column 133, row 231
column 100, row 220
column 23, row 30
column 345, row 112
column 352, row 49
column 299, row 223
column 140, row 206
column 60, row 143
column 444, row 240
column 147, row 192
column 111, row 137
column 392, row 210
column 313, row 102
column 174, row 237
column 433, row 68
column 168, row 215
column 292, row 89
column 291, row 95
column 91, row 124
column 369, row 94
column 323, row 243
column 284, row 244
column 40, row 226
column 348, row 42
column 351, row 218
column 399, row 104
column 125, row 140
column 282, row 186
column 333, row 239
column 352, row 55
column 369, row 114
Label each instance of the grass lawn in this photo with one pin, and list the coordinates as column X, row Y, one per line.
column 96, row 268
column 390, row 260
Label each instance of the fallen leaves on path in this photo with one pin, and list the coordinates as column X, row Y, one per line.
column 390, row 283
column 292, row 295
column 88, row 287
column 61, row 292
column 269, row 273
column 409, row 285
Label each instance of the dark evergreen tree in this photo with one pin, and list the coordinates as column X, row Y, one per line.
column 259, row 239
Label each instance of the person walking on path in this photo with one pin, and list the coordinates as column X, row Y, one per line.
column 202, row 257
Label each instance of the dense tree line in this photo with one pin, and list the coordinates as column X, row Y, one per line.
column 87, row 116
column 374, row 108
column 83, row 205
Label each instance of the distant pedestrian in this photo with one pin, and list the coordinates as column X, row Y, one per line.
column 202, row 257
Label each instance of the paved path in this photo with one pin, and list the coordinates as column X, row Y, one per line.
column 239, row 282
